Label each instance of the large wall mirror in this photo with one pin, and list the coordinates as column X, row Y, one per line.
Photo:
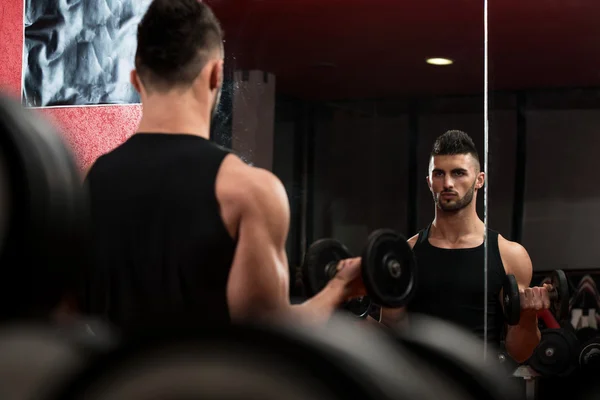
column 544, row 120
column 343, row 102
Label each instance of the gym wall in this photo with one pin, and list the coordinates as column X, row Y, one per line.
column 561, row 218
column 89, row 130
column 364, row 184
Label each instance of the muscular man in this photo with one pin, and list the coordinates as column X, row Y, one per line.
column 181, row 226
column 450, row 256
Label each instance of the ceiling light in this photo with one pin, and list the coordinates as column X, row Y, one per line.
column 439, row 61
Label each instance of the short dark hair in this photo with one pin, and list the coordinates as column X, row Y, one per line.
column 175, row 40
column 454, row 142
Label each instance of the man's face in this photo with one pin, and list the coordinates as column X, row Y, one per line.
column 454, row 181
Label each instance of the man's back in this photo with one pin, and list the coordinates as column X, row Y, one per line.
column 161, row 247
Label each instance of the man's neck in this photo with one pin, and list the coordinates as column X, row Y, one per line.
column 452, row 226
column 175, row 115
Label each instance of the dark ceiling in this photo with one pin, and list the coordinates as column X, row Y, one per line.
column 357, row 49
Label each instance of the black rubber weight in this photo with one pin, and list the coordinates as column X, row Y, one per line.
column 318, row 255
column 458, row 355
column 385, row 290
column 561, row 304
column 557, row 354
column 321, row 362
column 511, row 300
column 46, row 236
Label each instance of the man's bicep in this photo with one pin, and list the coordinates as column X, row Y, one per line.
column 521, row 267
column 518, row 264
column 256, row 283
column 259, row 279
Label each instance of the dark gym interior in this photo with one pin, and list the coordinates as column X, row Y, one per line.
column 342, row 101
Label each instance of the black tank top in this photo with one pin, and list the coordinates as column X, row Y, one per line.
column 161, row 249
column 451, row 285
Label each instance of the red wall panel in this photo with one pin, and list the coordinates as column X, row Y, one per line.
column 93, row 131
column 11, row 45
column 90, row 131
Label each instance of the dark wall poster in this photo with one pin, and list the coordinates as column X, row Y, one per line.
column 80, row 52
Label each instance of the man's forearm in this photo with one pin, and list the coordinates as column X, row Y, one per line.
column 522, row 339
column 320, row 308
column 394, row 318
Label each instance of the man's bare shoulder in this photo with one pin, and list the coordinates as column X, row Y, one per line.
column 242, row 183
column 413, row 240
column 514, row 256
column 512, row 250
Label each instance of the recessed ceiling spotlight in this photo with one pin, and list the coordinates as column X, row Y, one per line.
column 439, row 61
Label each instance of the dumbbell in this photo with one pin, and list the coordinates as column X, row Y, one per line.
column 458, row 355
column 388, row 270
column 556, row 354
column 38, row 357
column 559, row 297
column 189, row 360
column 589, row 355
column 43, row 206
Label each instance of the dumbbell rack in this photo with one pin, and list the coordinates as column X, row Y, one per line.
column 530, row 376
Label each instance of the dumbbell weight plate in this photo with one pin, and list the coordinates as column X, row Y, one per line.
column 37, row 358
column 458, row 355
column 556, row 355
column 589, row 356
column 6, row 198
column 389, row 269
column 359, row 307
column 585, row 334
column 511, row 300
column 560, row 303
column 319, row 255
column 48, row 209
column 317, row 270
column 268, row 361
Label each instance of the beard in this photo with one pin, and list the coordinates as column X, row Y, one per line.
column 454, row 204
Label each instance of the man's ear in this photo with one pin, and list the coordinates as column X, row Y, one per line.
column 480, row 180
column 135, row 81
column 216, row 75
